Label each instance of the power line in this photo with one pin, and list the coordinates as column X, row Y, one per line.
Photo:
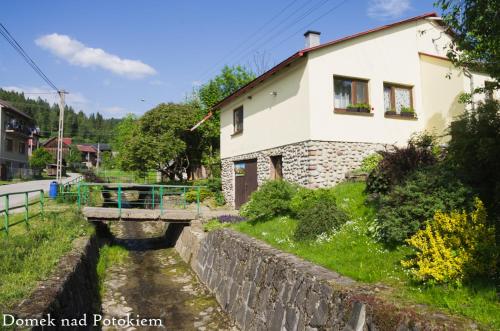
column 338, row 5
column 273, row 36
column 13, row 42
column 295, row 20
column 251, row 36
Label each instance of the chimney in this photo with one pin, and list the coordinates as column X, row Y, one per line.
column 312, row 38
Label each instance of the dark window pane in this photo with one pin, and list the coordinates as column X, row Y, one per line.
column 342, row 89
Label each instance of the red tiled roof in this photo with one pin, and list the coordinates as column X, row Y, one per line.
column 86, row 148
column 301, row 53
column 66, row 141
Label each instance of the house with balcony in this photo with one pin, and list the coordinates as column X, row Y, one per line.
column 18, row 138
column 316, row 115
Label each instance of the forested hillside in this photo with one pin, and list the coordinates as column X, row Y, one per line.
column 78, row 125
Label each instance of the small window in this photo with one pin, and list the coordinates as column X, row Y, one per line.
column 10, row 145
column 277, row 167
column 398, row 98
column 238, row 120
column 349, row 91
column 22, row 148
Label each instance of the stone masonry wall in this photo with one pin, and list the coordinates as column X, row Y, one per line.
column 311, row 163
column 71, row 291
column 263, row 288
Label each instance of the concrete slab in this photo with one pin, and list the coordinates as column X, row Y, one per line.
column 168, row 215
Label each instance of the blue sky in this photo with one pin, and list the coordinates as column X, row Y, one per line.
column 119, row 57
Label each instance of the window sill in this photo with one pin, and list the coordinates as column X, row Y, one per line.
column 352, row 112
column 238, row 133
column 394, row 115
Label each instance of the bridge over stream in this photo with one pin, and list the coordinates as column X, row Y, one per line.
column 141, row 202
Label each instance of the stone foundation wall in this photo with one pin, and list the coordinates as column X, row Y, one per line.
column 265, row 289
column 311, row 163
column 71, row 291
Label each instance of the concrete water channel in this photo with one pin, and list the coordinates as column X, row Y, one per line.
column 154, row 283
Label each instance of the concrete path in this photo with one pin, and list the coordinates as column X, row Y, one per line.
column 18, row 200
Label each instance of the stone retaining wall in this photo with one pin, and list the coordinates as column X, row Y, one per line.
column 310, row 163
column 71, row 291
column 265, row 289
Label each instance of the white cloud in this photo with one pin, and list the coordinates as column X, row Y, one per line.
column 74, row 99
column 386, row 9
column 78, row 54
column 196, row 83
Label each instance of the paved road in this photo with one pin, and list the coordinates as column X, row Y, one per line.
column 18, row 200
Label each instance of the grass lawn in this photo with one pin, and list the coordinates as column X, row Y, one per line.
column 109, row 256
column 353, row 253
column 30, row 255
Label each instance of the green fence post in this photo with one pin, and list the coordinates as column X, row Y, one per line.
column 42, row 197
column 119, row 200
column 198, row 201
column 153, row 197
column 78, row 199
column 6, row 219
column 161, row 200
column 26, row 206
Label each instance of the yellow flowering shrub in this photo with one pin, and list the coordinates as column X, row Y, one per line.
column 452, row 246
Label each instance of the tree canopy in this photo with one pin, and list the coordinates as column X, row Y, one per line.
column 475, row 25
column 40, row 158
column 160, row 140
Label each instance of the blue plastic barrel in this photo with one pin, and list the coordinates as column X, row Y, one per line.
column 53, row 190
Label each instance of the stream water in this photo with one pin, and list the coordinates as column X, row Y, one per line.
column 155, row 283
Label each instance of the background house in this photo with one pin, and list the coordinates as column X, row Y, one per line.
column 18, row 136
column 51, row 146
column 317, row 114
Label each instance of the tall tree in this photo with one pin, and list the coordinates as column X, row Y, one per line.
column 161, row 140
column 475, row 25
column 227, row 82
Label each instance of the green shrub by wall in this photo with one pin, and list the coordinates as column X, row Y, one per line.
column 320, row 215
column 271, row 199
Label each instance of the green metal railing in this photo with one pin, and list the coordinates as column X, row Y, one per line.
column 145, row 196
column 67, row 191
column 7, row 208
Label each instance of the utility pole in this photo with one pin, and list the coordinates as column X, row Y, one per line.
column 60, row 136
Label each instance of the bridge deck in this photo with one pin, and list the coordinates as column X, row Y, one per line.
column 167, row 215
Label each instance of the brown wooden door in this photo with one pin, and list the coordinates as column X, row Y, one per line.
column 245, row 181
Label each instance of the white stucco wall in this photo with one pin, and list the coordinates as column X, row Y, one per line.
column 304, row 107
column 388, row 56
column 269, row 120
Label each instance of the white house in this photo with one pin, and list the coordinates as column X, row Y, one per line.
column 299, row 121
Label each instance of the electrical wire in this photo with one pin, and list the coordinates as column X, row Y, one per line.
column 250, row 37
column 311, row 9
column 13, row 42
column 338, row 5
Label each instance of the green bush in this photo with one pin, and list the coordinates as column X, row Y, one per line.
column 406, row 208
column 271, row 199
column 399, row 162
column 321, row 216
column 370, row 162
column 474, row 151
column 306, row 198
column 192, row 195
